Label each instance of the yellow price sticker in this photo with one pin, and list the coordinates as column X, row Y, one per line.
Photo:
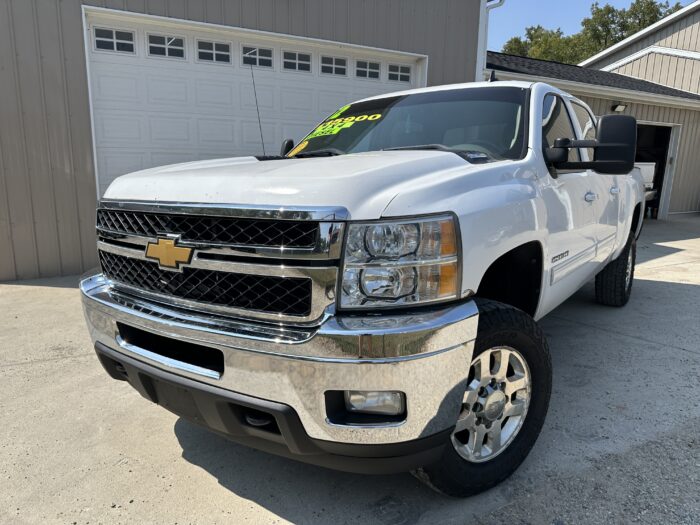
column 334, row 126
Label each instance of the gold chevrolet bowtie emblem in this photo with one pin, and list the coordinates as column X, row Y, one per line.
column 167, row 254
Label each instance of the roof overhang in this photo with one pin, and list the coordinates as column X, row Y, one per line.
column 644, row 32
column 593, row 90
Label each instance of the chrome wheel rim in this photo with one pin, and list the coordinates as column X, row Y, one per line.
column 628, row 270
column 494, row 405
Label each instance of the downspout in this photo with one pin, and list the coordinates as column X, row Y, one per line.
column 483, row 42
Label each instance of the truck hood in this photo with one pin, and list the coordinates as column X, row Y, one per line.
column 363, row 183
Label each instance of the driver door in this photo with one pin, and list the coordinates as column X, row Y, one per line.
column 607, row 202
column 568, row 195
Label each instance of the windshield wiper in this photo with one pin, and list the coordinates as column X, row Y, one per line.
column 326, row 152
column 440, row 147
column 470, row 156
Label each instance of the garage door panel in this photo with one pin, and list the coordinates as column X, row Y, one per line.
column 150, row 111
column 297, row 100
column 214, row 132
column 218, row 94
column 266, row 96
column 118, row 128
column 117, row 87
column 167, row 90
column 170, row 130
column 250, row 137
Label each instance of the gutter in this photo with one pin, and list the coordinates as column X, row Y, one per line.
column 483, row 40
column 612, row 93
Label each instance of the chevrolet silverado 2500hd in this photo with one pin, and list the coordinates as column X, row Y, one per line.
column 368, row 300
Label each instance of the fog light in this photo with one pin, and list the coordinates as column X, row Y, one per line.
column 385, row 403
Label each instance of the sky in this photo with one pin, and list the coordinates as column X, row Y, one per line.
column 514, row 16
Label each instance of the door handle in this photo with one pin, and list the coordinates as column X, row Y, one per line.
column 590, row 196
column 614, row 190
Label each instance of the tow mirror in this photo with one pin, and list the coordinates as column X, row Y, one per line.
column 287, row 146
column 617, row 144
column 615, row 147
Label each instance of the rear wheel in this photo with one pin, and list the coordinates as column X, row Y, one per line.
column 613, row 285
column 503, row 407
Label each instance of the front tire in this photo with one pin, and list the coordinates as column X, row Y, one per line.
column 613, row 285
column 504, row 404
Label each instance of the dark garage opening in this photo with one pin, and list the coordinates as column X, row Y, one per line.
column 652, row 146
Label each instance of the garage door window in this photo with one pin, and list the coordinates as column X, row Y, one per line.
column 296, row 61
column 166, row 46
column 213, row 52
column 399, row 73
column 257, row 56
column 334, row 66
column 365, row 69
column 114, row 40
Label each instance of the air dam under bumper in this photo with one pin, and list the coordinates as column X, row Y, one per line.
column 286, row 374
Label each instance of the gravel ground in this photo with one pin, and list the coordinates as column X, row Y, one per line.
column 621, row 443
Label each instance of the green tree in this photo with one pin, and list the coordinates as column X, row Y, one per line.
column 643, row 13
column 606, row 26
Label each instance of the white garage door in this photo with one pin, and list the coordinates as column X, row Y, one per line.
column 165, row 90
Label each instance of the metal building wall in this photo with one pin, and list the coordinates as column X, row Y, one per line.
column 675, row 72
column 47, row 182
column 685, row 192
column 684, row 34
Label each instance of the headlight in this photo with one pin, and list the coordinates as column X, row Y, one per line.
column 400, row 263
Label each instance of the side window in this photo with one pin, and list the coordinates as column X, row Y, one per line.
column 587, row 123
column 556, row 124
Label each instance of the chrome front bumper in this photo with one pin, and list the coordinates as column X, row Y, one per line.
column 425, row 355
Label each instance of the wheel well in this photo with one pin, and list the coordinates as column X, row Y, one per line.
column 636, row 216
column 515, row 278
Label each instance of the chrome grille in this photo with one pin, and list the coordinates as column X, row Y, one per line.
column 268, row 294
column 211, row 229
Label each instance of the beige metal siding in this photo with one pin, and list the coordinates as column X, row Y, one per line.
column 682, row 34
column 47, row 182
column 675, row 72
column 685, row 193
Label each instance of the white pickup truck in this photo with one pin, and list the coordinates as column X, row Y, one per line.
column 367, row 300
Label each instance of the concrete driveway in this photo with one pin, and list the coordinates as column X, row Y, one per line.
column 621, row 442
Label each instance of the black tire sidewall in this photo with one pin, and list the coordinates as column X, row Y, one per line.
column 456, row 476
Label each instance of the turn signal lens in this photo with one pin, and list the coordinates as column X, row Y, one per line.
column 448, row 239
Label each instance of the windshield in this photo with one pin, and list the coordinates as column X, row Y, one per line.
column 484, row 123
